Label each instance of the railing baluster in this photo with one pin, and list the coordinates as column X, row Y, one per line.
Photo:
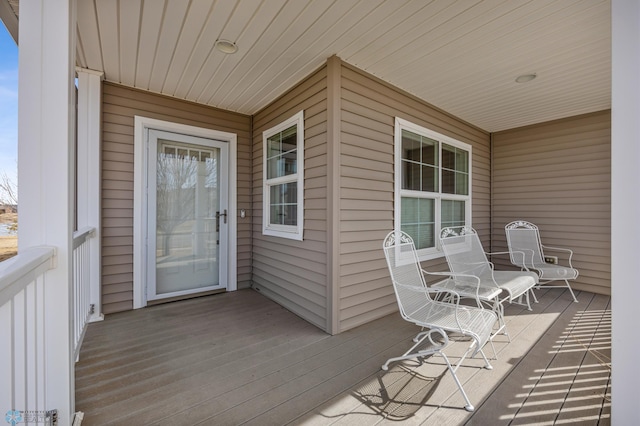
column 81, row 264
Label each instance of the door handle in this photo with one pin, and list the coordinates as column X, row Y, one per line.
column 218, row 214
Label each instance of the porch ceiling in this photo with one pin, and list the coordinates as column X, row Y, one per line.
column 461, row 56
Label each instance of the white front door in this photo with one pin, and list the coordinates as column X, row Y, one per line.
column 187, row 207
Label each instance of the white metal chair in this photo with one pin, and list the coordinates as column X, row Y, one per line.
column 439, row 318
column 527, row 251
column 470, row 269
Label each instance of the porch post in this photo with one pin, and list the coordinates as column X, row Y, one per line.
column 46, row 123
column 625, row 211
column 88, row 174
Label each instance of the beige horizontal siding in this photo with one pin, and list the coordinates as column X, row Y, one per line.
column 120, row 105
column 294, row 273
column 368, row 110
column 558, row 176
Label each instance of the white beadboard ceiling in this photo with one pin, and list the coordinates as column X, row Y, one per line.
column 461, row 56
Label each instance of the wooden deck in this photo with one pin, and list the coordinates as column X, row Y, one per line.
column 238, row 358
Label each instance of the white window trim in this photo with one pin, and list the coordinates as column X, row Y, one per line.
column 400, row 125
column 284, row 231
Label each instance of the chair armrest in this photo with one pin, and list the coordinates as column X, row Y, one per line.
column 471, row 288
column 445, row 274
column 519, row 253
column 510, row 253
column 560, row 249
column 426, row 290
column 497, row 252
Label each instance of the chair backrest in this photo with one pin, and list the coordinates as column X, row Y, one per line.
column 405, row 271
column 464, row 252
column 525, row 247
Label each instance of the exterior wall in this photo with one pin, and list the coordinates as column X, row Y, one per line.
column 558, row 176
column 368, row 110
column 120, row 105
column 293, row 273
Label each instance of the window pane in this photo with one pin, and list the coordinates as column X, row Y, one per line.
column 410, row 146
column 273, row 146
column 429, row 151
column 418, row 220
column 455, row 170
column 462, row 160
column 282, row 153
column 453, row 214
column 429, row 179
column 448, row 157
column 419, row 162
column 462, row 184
column 289, row 163
column 411, row 176
column 448, row 182
column 291, row 215
column 289, row 139
column 283, row 204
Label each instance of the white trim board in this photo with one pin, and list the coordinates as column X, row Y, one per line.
column 139, row 205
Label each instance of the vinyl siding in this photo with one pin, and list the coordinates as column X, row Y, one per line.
column 120, row 105
column 294, row 273
column 366, row 208
column 558, row 176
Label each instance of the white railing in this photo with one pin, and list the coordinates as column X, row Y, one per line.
column 82, row 308
column 23, row 358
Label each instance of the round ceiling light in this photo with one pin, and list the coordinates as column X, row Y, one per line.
column 525, row 78
column 226, row 46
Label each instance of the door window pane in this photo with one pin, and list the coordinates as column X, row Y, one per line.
column 187, row 200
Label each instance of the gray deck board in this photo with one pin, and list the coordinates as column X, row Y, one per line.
column 239, row 358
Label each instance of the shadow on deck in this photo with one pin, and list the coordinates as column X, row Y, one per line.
column 239, row 358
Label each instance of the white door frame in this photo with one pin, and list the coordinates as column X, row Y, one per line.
column 142, row 124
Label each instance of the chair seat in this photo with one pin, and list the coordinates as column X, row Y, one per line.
column 464, row 289
column 453, row 318
column 552, row 272
column 516, row 283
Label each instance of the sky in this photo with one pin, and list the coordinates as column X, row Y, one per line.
column 8, row 104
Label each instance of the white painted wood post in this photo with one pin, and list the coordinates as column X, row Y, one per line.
column 88, row 174
column 625, row 211
column 46, row 132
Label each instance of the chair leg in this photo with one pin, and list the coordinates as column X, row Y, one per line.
column 535, row 299
column 498, row 308
column 570, row 290
column 469, row 407
column 419, row 339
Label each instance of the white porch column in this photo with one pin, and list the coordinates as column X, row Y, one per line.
column 88, row 174
column 46, row 123
column 625, row 211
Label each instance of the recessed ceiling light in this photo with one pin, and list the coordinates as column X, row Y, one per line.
column 226, row 46
column 525, row 78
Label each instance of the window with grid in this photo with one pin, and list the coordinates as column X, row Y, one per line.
column 433, row 185
column 283, row 177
